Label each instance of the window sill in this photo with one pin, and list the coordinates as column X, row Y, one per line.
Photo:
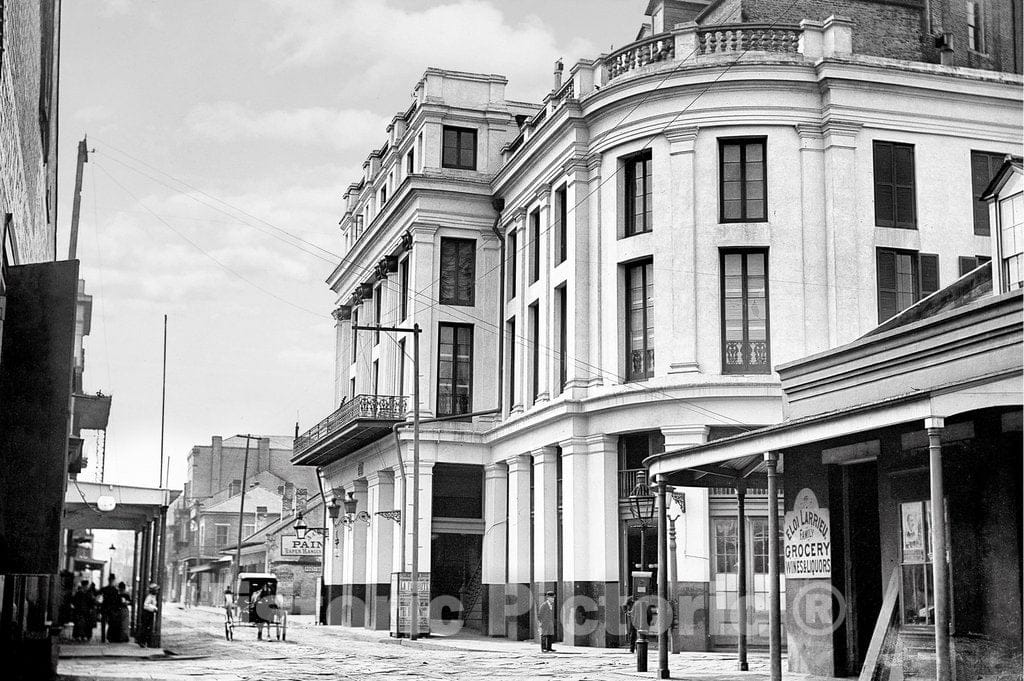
column 635, row 234
column 905, row 227
column 759, row 221
column 451, row 303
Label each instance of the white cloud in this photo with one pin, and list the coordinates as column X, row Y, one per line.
column 376, row 45
column 231, row 121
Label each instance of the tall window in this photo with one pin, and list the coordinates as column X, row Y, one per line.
column 975, row 26
column 383, row 196
column 513, row 258
column 459, row 148
column 640, row 320
column 378, row 297
column 984, row 166
column 458, row 270
column 904, row 277
column 561, row 302
column 400, row 379
column 561, row 225
column 534, row 246
column 534, row 320
column 234, row 488
column 918, row 597
column 376, row 377
column 743, row 176
column 638, row 193
column 745, row 342
column 410, row 162
column 221, row 533
column 1011, row 240
column 895, row 203
column 510, row 343
column 403, row 284
column 454, row 369
column 726, row 546
column 355, row 334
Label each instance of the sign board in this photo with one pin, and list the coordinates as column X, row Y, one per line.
column 808, row 539
column 401, row 607
column 311, row 545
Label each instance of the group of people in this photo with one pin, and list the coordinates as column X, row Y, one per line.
column 110, row 608
column 107, row 607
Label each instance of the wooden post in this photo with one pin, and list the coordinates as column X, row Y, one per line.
column 774, row 604
column 939, row 569
column 741, row 575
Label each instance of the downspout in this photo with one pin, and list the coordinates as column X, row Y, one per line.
column 401, row 461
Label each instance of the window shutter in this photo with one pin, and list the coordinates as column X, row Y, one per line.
column 967, row 263
column 928, row 266
column 886, row 284
column 979, row 180
column 903, row 163
column 448, row 267
column 885, row 209
column 466, row 272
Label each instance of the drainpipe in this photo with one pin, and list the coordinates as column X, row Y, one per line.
column 499, row 205
column 401, row 461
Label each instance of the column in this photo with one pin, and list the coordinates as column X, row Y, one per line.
column 399, row 544
column 380, row 497
column 741, row 576
column 545, row 308
column 545, row 522
column 596, row 278
column 422, row 287
column 817, row 322
column 679, row 336
column 334, row 570
column 518, row 606
column 494, row 560
column 940, row 574
column 578, row 252
column 517, row 305
column 774, row 602
column 590, row 551
column 843, row 268
column 354, row 580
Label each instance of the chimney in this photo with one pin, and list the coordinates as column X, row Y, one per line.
column 286, row 501
column 558, row 75
column 945, row 44
column 300, row 499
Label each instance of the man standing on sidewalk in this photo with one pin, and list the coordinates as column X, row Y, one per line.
column 109, row 608
column 546, row 618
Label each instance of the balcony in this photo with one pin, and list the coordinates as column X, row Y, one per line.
column 355, row 424
column 627, row 481
column 200, row 553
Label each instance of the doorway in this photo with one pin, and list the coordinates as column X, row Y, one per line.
column 856, row 535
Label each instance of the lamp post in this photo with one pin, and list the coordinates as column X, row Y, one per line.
column 641, row 506
column 414, row 574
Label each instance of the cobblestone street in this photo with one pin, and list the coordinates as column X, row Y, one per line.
column 196, row 638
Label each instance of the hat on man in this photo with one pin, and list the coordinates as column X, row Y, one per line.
column 550, row 593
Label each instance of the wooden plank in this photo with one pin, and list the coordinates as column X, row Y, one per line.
column 885, row 616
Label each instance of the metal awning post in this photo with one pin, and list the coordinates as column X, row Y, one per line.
column 775, row 605
column 160, row 576
column 940, row 573
column 741, row 570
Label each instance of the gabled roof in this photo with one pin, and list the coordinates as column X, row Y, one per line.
column 257, row 496
column 1012, row 164
column 276, row 441
column 259, row 536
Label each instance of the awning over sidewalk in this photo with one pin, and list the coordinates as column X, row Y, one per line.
column 215, row 566
column 134, row 506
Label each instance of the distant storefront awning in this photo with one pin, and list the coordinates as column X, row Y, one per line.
column 211, row 567
column 89, row 564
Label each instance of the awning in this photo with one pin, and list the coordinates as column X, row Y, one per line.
column 89, row 564
column 134, row 506
column 215, row 566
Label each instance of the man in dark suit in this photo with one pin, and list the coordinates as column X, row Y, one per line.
column 546, row 619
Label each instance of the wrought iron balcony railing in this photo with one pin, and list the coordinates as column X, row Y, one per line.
column 369, row 407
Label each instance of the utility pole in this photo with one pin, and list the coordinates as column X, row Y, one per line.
column 241, row 506
column 83, row 158
column 414, row 573
column 163, row 408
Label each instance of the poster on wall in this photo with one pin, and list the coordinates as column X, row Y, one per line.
column 913, row 532
column 808, row 539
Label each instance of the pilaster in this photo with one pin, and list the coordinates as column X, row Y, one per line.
column 679, row 346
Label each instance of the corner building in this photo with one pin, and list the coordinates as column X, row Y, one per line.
column 614, row 273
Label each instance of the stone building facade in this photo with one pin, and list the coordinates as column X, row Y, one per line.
column 612, row 274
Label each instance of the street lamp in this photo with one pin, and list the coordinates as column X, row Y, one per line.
column 641, row 506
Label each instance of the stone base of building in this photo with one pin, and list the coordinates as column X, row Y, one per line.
column 378, row 606
column 353, row 605
column 332, row 599
column 591, row 614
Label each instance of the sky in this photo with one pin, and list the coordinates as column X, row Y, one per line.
column 222, row 136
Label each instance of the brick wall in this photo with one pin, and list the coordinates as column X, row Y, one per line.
column 23, row 172
column 880, row 29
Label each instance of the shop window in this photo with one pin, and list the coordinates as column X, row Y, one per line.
column 917, row 595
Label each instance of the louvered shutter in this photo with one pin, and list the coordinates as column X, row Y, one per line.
column 966, row 263
column 885, row 209
column 466, row 273
column 887, row 306
column 903, row 183
column 928, row 267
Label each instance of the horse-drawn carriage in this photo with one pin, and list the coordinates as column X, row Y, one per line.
column 257, row 605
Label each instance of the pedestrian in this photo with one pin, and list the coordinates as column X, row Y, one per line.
column 81, row 607
column 109, row 607
column 149, row 608
column 546, row 619
column 627, row 609
column 123, row 620
column 229, row 604
column 94, row 610
column 262, row 611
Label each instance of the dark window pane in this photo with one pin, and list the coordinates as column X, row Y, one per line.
column 742, row 181
column 745, row 341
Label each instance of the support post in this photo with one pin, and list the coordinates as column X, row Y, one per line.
column 940, row 574
column 241, row 513
column 414, row 623
column 741, row 577
column 664, row 618
column 673, row 578
column 774, row 605
column 160, row 577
